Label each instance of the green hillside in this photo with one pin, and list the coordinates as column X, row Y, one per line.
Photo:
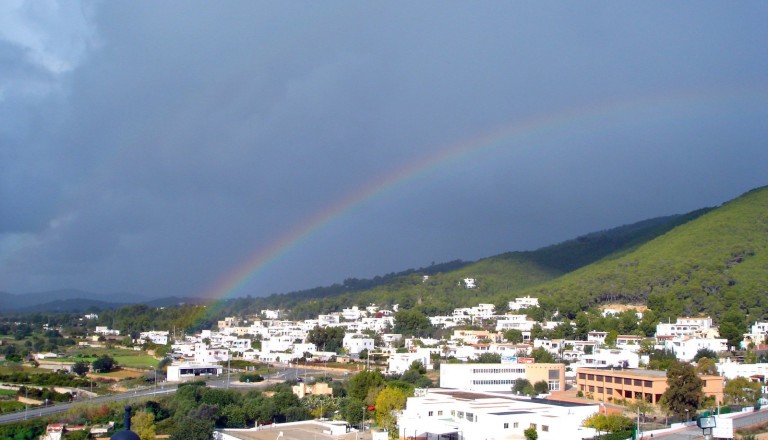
column 710, row 264
column 499, row 278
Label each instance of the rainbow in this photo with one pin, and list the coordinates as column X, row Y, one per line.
column 503, row 136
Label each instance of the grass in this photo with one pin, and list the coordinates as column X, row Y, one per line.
column 119, row 374
column 124, row 358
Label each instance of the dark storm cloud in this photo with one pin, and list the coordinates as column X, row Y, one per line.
column 160, row 145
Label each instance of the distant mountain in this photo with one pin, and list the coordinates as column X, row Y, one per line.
column 71, row 305
column 56, row 300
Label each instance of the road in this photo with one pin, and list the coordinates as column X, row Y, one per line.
column 694, row 432
column 225, row 381
column 37, row 411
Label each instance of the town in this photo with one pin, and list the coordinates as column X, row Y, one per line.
column 385, row 373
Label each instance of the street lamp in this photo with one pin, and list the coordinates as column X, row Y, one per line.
column 687, row 419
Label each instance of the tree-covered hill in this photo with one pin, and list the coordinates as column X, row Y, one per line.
column 499, row 278
column 710, row 264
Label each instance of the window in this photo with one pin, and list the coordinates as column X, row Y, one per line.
column 590, row 377
column 609, row 378
column 627, row 381
column 647, row 384
column 582, row 376
column 514, row 425
column 439, row 413
column 638, row 382
column 429, row 414
column 545, row 428
column 533, row 425
column 600, row 377
column 506, row 426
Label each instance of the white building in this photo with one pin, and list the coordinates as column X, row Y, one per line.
column 106, row 331
column 684, row 327
column 354, row 343
column 390, row 339
column 685, row 348
column 271, row 314
column 155, row 337
column 605, row 358
column 205, row 355
column 732, row 370
column 757, row 335
column 597, row 337
column 523, row 303
column 514, row 322
column 470, row 283
column 351, row 314
column 192, row 371
column 401, row 362
column 326, row 320
column 446, row 321
column 500, row 377
column 483, row 311
column 463, row 415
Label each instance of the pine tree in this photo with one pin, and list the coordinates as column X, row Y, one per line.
column 684, row 390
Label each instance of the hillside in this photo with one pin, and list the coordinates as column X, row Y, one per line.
column 499, row 278
column 710, row 264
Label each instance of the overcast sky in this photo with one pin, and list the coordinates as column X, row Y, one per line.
column 157, row 147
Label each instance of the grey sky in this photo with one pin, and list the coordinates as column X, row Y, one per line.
column 154, row 147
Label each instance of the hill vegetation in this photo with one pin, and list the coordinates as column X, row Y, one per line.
column 438, row 289
column 712, row 264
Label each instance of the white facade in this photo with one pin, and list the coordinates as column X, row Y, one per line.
column 205, row 355
column 514, row 322
column 351, row 314
column 732, row 370
column 271, row 314
column 326, row 320
column 470, row 283
column 390, row 339
column 757, row 335
column 106, row 331
column 192, row 371
column 354, row 343
column 401, row 362
column 483, row 311
column 685, row 348
column 684, row 327
column 499, row 377
column 461, row 415
column 523, row 303
column 155, row 337
column 605, row 358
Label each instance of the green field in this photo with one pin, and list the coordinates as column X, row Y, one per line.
column 124, row 358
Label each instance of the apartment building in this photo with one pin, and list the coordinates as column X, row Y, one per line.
column 500, row 377
column 632, row 383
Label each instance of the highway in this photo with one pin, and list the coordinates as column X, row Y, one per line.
column 282, row 374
